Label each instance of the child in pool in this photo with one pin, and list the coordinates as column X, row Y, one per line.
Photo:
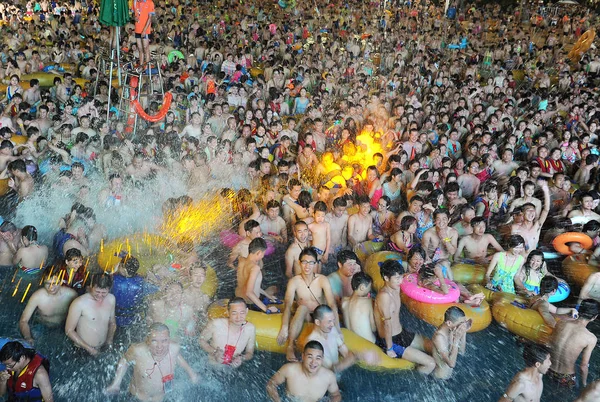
column 358, row 308
column 320, row 231
column 450, row 340
column 548, row 286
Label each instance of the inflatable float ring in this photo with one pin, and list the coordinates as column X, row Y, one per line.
column 560, row 242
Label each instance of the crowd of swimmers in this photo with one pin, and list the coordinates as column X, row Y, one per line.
column 324, row 128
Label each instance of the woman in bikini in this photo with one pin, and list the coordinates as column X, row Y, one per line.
column 383, row 219
column 404, row 239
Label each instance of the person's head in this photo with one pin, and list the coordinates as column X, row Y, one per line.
column 131, row 265
column 28, row 235
column 308, row 259
column 416, row 258
column 73, row 258
column 348, row 263
column 364, row 204
column 408, row 224
column 197, row 274
column 15, row 356
column 391, row 271
column 324, row 318
column 320, row 210
column 537, row 356
column 478, row 224
column 312, row 357
column 257, row 248
column 589, row 309
column 100, row 286
column 272, row 209
column 454, row 316
column 301, row 231
column 361, row 284
column 416, row 203
column 339, row 206
column 159, row 339
column 237, row 310
column 548, row 285
column 440, row 218
column 252, row 229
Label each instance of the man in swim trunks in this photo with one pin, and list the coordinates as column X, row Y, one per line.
column 230, row 340
column 396, row 341
column 51, row 304
column 91, row 319
column 476, row 244
column 527, row 385
column 299, row 243
column 360, row 224
column 253, row 231
column 570, row 339
column 449, row 340
column 154, row 362
column 26, row 377
column 250, row 276
column 309, row 290
column 591, row 393
column 308, row 380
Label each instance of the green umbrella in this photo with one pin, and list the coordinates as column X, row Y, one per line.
column 114, row 13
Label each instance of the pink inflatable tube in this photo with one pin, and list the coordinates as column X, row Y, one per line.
column 411, row 289
column 230, row 239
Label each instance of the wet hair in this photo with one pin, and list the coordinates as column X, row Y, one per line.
column 533, row 353
column 29, row 232
column 527, row 265
column 360, row 278
column 131, row 265
column 390, row 268
column 346, row 255
column 18, row 165
column 591, row 226
column 416, row 198
column 310, row 251
column 251, row 224
column 299, row 223
column 427, row 271
column 417, row 249
column 101, row 281
column 406, row 222
column 339, row 202
column 316, row 345
column 159, row 327
column 453, row 313
column 272, row 204
column 236, row 300
column 320, row 206
column 438, row 212
column 321, row 310
column 515, row 240
column 258, row 244
column 14, row 351
column 477, row 220
column 589, row 309
column 548, row 284
column 363, row 199
column 73, row 253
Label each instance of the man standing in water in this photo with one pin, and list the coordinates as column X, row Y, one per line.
column 309, row 290
column 397, row 342
column 527, row 385
column 570, row 339
column 51, row 303
column 154, row 363
column 300, row 242
column 308, row 380
column 91, row 320
column 531, row 227
column 26, row 376
column 252, row 229
column 230, row 340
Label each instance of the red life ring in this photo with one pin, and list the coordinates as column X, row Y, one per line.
column 161, row 113
column 560, row 242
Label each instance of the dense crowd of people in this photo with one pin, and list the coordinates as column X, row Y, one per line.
column 326, row 131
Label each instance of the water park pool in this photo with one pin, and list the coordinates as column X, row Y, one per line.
column 492, row 358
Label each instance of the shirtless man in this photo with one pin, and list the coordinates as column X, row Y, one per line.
column 360, row 224
column 141, row 169
column 570, row 339
column 193, row 295
column 51, row 304
column 249, row 279
column 585, row 213
column 449, row 340
column 292, row 254
column 253, row 231
column 170, row 310
column 272, row 225
column 441, row 240
column 338, row 223
column 396, row 341
column 531, row 227
column 91, row 319
column 528, row 189
column 230, row 340
column 194, row 129
column 288, row 206
column 43, row 122
column 32, row 95
column 341, row 280
column 591, row 393
column 19, row 179
column 154, row 363
column 463, row 226
column 527, row 385
column 468, row 182
column 309, row 290
column 9, row 244
column 476, row 244
column 307, row 380
column 113, row 195
column 6, row 154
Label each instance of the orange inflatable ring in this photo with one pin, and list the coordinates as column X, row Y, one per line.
column 560, row 242
column 162, row 113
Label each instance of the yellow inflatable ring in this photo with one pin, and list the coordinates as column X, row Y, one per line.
column 431, row 313
column 15, row 139
column 365, row 249
column 267, row 329
column 496, row 297
column 150, row 250
column 560, row 242
column 577, row 269
column 526, row 323
column 469, row 274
